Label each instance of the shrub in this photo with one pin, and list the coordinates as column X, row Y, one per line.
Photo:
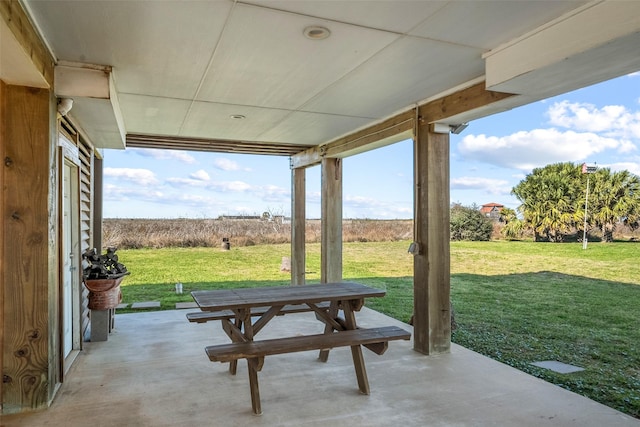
column 468, row 223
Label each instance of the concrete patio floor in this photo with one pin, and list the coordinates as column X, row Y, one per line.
column 153, row 371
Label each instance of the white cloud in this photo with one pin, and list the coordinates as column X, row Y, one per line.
column 526, row 150
column 586, row 117
column 491, row 186
column 228, row 165
column 161, row 154
column 627, row 146
column 200, row 175
column 124, row 193
column 201, row 179
column 368, row 207
column 189, row 182
column 273, row 193
column 136, row 176
column 225, row 186
column 236, row 186
column 632, row 167
column 610, row 120
column 360, row 201
column 196, row 201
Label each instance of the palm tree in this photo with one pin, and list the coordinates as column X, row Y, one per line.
column 513, row 226
column 615, row 197
column 548, row 197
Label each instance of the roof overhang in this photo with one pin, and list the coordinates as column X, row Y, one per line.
column 95, row 102
column 599, row 41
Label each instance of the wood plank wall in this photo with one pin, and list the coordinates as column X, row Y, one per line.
column 28, row 280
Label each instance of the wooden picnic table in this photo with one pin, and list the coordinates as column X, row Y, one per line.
column 265, row 303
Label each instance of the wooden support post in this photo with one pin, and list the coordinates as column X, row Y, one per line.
column 29, row 321
column 331, row 239
column 3, row 215
column 431, row 267
column 298, row 223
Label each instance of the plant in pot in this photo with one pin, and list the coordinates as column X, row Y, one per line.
column 102, row 275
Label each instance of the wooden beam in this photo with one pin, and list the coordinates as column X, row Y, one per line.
column 298, row 224
column 468, row 99
column 309, row 157
column 12, row 13
column 331, row 233
column 465, row 100
column 356, row 142
column 431, row 275
column 212, row 145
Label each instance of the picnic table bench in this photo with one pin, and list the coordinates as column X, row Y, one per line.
column 236, row 308
column 207, row 316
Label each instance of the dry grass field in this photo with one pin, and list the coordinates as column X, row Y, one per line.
column 189, row 233
column 208, row 233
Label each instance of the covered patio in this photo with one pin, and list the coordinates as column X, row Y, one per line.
column 153, row 371
column 316, row 81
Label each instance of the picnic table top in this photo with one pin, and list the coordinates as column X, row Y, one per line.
column 230, row 299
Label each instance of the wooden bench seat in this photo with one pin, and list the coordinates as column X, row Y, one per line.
column 206, row 316
column 257, row 349
column 375, row 339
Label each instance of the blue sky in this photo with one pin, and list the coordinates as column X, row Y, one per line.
column 599, row 124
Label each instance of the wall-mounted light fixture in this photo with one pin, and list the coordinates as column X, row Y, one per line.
column 64, row 105
column 458, row 128
column 446, row 128
column 414, row 248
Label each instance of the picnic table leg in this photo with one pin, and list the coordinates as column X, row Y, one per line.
column 356, row 351
column 253, row 385
column 252, row 363
column 233, row 365
column 328, row 329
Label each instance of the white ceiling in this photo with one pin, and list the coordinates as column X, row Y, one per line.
column 183, row 68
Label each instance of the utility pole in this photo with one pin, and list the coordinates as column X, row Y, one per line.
column 588, row 170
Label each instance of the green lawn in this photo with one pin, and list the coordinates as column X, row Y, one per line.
column 517, row 302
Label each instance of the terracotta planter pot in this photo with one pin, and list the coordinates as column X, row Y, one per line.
column 102, row 285
column 104, row 294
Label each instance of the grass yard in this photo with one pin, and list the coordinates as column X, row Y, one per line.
column 517, row 302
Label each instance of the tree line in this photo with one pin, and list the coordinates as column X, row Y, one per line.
column 553, row 203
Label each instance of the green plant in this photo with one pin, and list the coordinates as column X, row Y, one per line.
column 104, row 266
column 468, row 223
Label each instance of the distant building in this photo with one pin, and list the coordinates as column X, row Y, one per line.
column 492, row 210
column 238, row 217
